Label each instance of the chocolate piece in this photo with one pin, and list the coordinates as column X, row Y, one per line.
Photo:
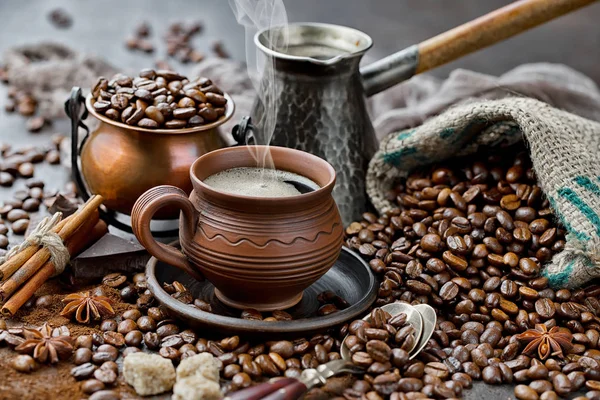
column 109, row 254
column 64, row 205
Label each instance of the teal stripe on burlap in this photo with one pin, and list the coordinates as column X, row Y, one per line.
column 571, row 196
column 579, row 235
column 446, row 133
column 560, row 279
column 395, row 157
column 406, row 134
column 587, row 183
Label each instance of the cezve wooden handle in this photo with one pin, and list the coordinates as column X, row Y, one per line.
column 491, row 28
column 281, row 389
column 482, row 32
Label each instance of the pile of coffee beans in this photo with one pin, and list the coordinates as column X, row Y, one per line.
column 159, row 99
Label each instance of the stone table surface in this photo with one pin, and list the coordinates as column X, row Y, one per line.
column 100, row 27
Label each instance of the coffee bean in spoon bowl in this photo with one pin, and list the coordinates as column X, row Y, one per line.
column 403, row 315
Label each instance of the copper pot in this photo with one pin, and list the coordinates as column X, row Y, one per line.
column 120, row 162
column 259, row 252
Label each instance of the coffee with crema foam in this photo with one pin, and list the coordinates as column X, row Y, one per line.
column 258, row 182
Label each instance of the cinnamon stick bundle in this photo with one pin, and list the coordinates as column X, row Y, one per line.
column 42, row 255
column 15, row 262
column 88, row 233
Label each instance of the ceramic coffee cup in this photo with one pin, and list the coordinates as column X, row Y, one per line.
column 259, row 252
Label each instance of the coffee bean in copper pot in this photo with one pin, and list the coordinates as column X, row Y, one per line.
column 209, row 114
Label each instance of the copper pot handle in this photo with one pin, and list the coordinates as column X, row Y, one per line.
column 281, row 389
column 144, row 209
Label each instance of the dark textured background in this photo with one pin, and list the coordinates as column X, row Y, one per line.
column 101, row 27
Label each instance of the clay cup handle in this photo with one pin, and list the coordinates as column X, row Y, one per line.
column 144, row 209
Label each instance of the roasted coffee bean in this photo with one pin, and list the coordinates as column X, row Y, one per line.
column 83, row 341
column 17, row 214
column 562, row 384
column 134, row 338
column 105, row 375
column 432, row 243
column 92, row 386
column 379, row 350
column 82, row 355
column 545, row 308
column 241, row 380
column 23, row 363
column 105, row 353
column 386, row 384
column 83, row 371
column 31, row 205
column 169, row 353
column 524, row 392
column 449, row 291
column 454, row 261
column 492, row 375
column 114, row 280
column 108, row 325
column 437, row 369
column 284, row 348
column 145, row 301
column 326, row 309
column 105, row 395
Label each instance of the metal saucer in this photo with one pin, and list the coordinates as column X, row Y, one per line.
column 350, row 278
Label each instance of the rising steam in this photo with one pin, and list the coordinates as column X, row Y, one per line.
column 256, row 15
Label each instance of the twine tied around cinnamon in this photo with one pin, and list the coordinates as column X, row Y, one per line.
column 42, row 235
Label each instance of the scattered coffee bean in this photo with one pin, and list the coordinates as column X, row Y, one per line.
column 24, row 363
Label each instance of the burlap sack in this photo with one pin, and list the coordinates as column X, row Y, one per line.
column 564, row 149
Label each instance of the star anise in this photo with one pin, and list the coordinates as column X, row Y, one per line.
column 43, row 346
column 547, row 342
column 86, row 306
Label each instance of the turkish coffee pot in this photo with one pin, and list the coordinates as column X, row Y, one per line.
column 319, row 92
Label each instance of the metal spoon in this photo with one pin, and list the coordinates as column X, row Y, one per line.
column 413, row 317
column 429, row 319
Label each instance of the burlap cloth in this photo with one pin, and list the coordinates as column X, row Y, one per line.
column 564, row 149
